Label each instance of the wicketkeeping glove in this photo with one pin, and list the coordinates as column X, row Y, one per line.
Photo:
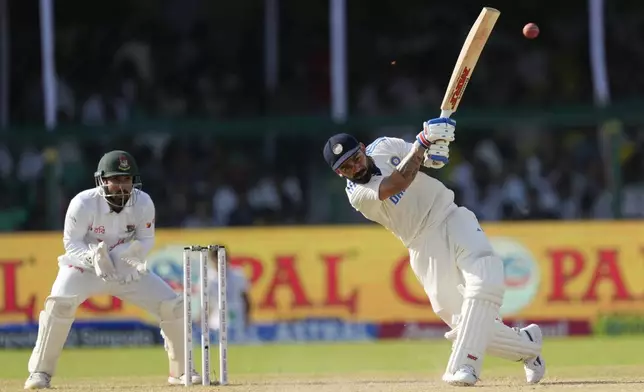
column 133, row 257
column 133, row 263
column 102, row 263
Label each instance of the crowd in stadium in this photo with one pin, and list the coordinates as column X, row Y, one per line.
column 176, row 66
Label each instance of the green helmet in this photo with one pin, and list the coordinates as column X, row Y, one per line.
column 117, row 163
column 113, row 164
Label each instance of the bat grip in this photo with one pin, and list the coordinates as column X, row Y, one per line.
column 446, row 113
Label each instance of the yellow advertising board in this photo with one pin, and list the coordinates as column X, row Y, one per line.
column 361, row 273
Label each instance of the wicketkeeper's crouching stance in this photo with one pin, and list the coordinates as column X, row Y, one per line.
column 108, row 233
column 449, row 253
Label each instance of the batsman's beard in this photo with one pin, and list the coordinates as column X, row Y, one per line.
column 364, row 175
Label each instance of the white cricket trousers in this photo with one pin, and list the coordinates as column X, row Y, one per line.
column 147, row 293
column 445, row 256
column 150, row 293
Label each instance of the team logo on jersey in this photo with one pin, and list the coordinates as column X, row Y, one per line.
column 394, row 161
column 123, row 163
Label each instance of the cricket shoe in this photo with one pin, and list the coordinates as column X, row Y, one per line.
column 38, row 380
column 196, row 379
column 465, row 376
column 535, row 368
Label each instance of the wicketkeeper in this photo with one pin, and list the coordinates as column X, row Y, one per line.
column 109, row 230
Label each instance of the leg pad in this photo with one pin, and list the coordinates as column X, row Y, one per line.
column 55, row 321
column 507, row 343
column 172, row 329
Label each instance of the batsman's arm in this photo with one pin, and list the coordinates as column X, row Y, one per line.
column 404, row 174
column 403, row 147
column 77, row 222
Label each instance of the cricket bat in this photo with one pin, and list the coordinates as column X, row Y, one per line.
column 467, row 59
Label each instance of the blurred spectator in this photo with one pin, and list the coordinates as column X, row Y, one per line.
column 163, row 67
column 208, row 185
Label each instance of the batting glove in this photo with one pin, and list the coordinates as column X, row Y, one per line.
column 436, row 156
column 436, row 136
column 435, row 130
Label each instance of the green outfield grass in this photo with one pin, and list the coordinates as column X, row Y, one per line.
column 597, row 364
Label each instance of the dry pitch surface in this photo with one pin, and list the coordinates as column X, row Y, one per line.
column 611, row 364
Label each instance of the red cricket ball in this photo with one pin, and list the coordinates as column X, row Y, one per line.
column 531, row 30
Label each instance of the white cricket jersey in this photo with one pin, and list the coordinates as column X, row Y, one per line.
column 90, row 220
column 237, row 285
column 425, row 203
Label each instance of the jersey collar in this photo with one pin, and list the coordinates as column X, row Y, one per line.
column 106, row 209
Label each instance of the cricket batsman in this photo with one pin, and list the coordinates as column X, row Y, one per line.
column 108, row 232
column 448, row 252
